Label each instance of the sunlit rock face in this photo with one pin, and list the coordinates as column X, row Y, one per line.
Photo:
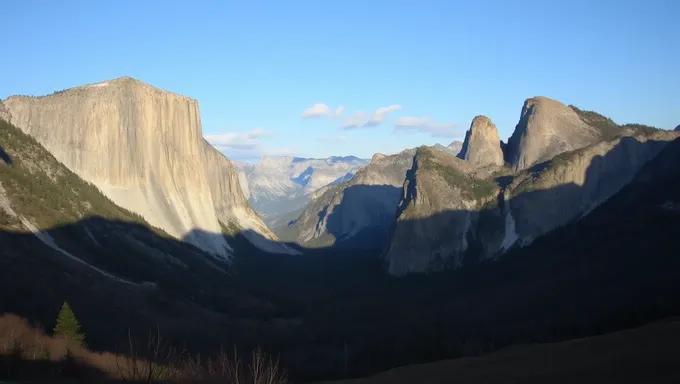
column 143, row 148
column 547, row 128
column 482, row 146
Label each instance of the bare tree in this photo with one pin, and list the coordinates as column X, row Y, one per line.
column 155, row 361
column 262, row 369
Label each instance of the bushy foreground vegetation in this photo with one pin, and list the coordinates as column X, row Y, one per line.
column 27, row 353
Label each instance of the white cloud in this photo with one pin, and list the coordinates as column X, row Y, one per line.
column 316, row 110
column 426, row 125
column 380, row 115
column 332, row 138
column 245, row 145
column 339, row 110
column 359, row 119
column 238, row 140
column 355, row 121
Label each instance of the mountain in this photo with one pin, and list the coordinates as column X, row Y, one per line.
column 437, row 182
column 62, row 239
column 40, row 202
column 143, row 148
column 357, row 212
column 547, row 128
column 277, row 186
column 455, row 147
column 449, row 210
column 453, row 212
column 615, row 268
column 456, row 212
column 335, row 313
column 482, row 147
column 677, row 128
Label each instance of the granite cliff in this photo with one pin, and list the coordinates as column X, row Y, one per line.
column 545, row 129
column 142, row 147
column 482, row 146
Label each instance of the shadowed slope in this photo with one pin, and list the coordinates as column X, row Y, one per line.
column 642, row 355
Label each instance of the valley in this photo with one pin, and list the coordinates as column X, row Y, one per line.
column 330, row 301
column 293, row 193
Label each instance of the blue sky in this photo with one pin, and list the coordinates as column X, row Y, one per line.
column 419, row 71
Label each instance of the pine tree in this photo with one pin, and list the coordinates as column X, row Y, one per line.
column 68, row 327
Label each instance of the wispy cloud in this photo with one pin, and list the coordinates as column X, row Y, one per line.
column 427, row 125
column 360, row 119
column 380, row 115
column 246, row 145
column 238, row 140
column 355, row 121
column 332, row 138
column 321, row 110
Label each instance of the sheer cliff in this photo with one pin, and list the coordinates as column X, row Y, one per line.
column 547, row 128
column 142, row 147
column 232, row 208
column 482, row 146
column 54, row 219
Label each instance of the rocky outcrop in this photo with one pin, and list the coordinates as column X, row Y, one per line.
column 358, row 212
column 482, row 146
column 547, row 128
column 142, row 147
column 450, row 214
column 440, row 205
column 4, row 113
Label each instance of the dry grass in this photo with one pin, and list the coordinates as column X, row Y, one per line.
column 27, row 353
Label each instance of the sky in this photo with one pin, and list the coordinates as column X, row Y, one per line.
column 322, row 78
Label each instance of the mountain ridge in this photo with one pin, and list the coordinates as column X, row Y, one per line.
column 279, row 185
column 109, row 133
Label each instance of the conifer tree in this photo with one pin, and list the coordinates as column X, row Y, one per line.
column 68, row 327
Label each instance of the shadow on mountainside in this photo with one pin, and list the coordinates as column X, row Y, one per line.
column 334, row 313
column 365, row 204
column 5, row 157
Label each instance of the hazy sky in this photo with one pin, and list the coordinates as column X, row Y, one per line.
column 320, row 78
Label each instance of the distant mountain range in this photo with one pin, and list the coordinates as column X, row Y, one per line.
column 280, row 185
